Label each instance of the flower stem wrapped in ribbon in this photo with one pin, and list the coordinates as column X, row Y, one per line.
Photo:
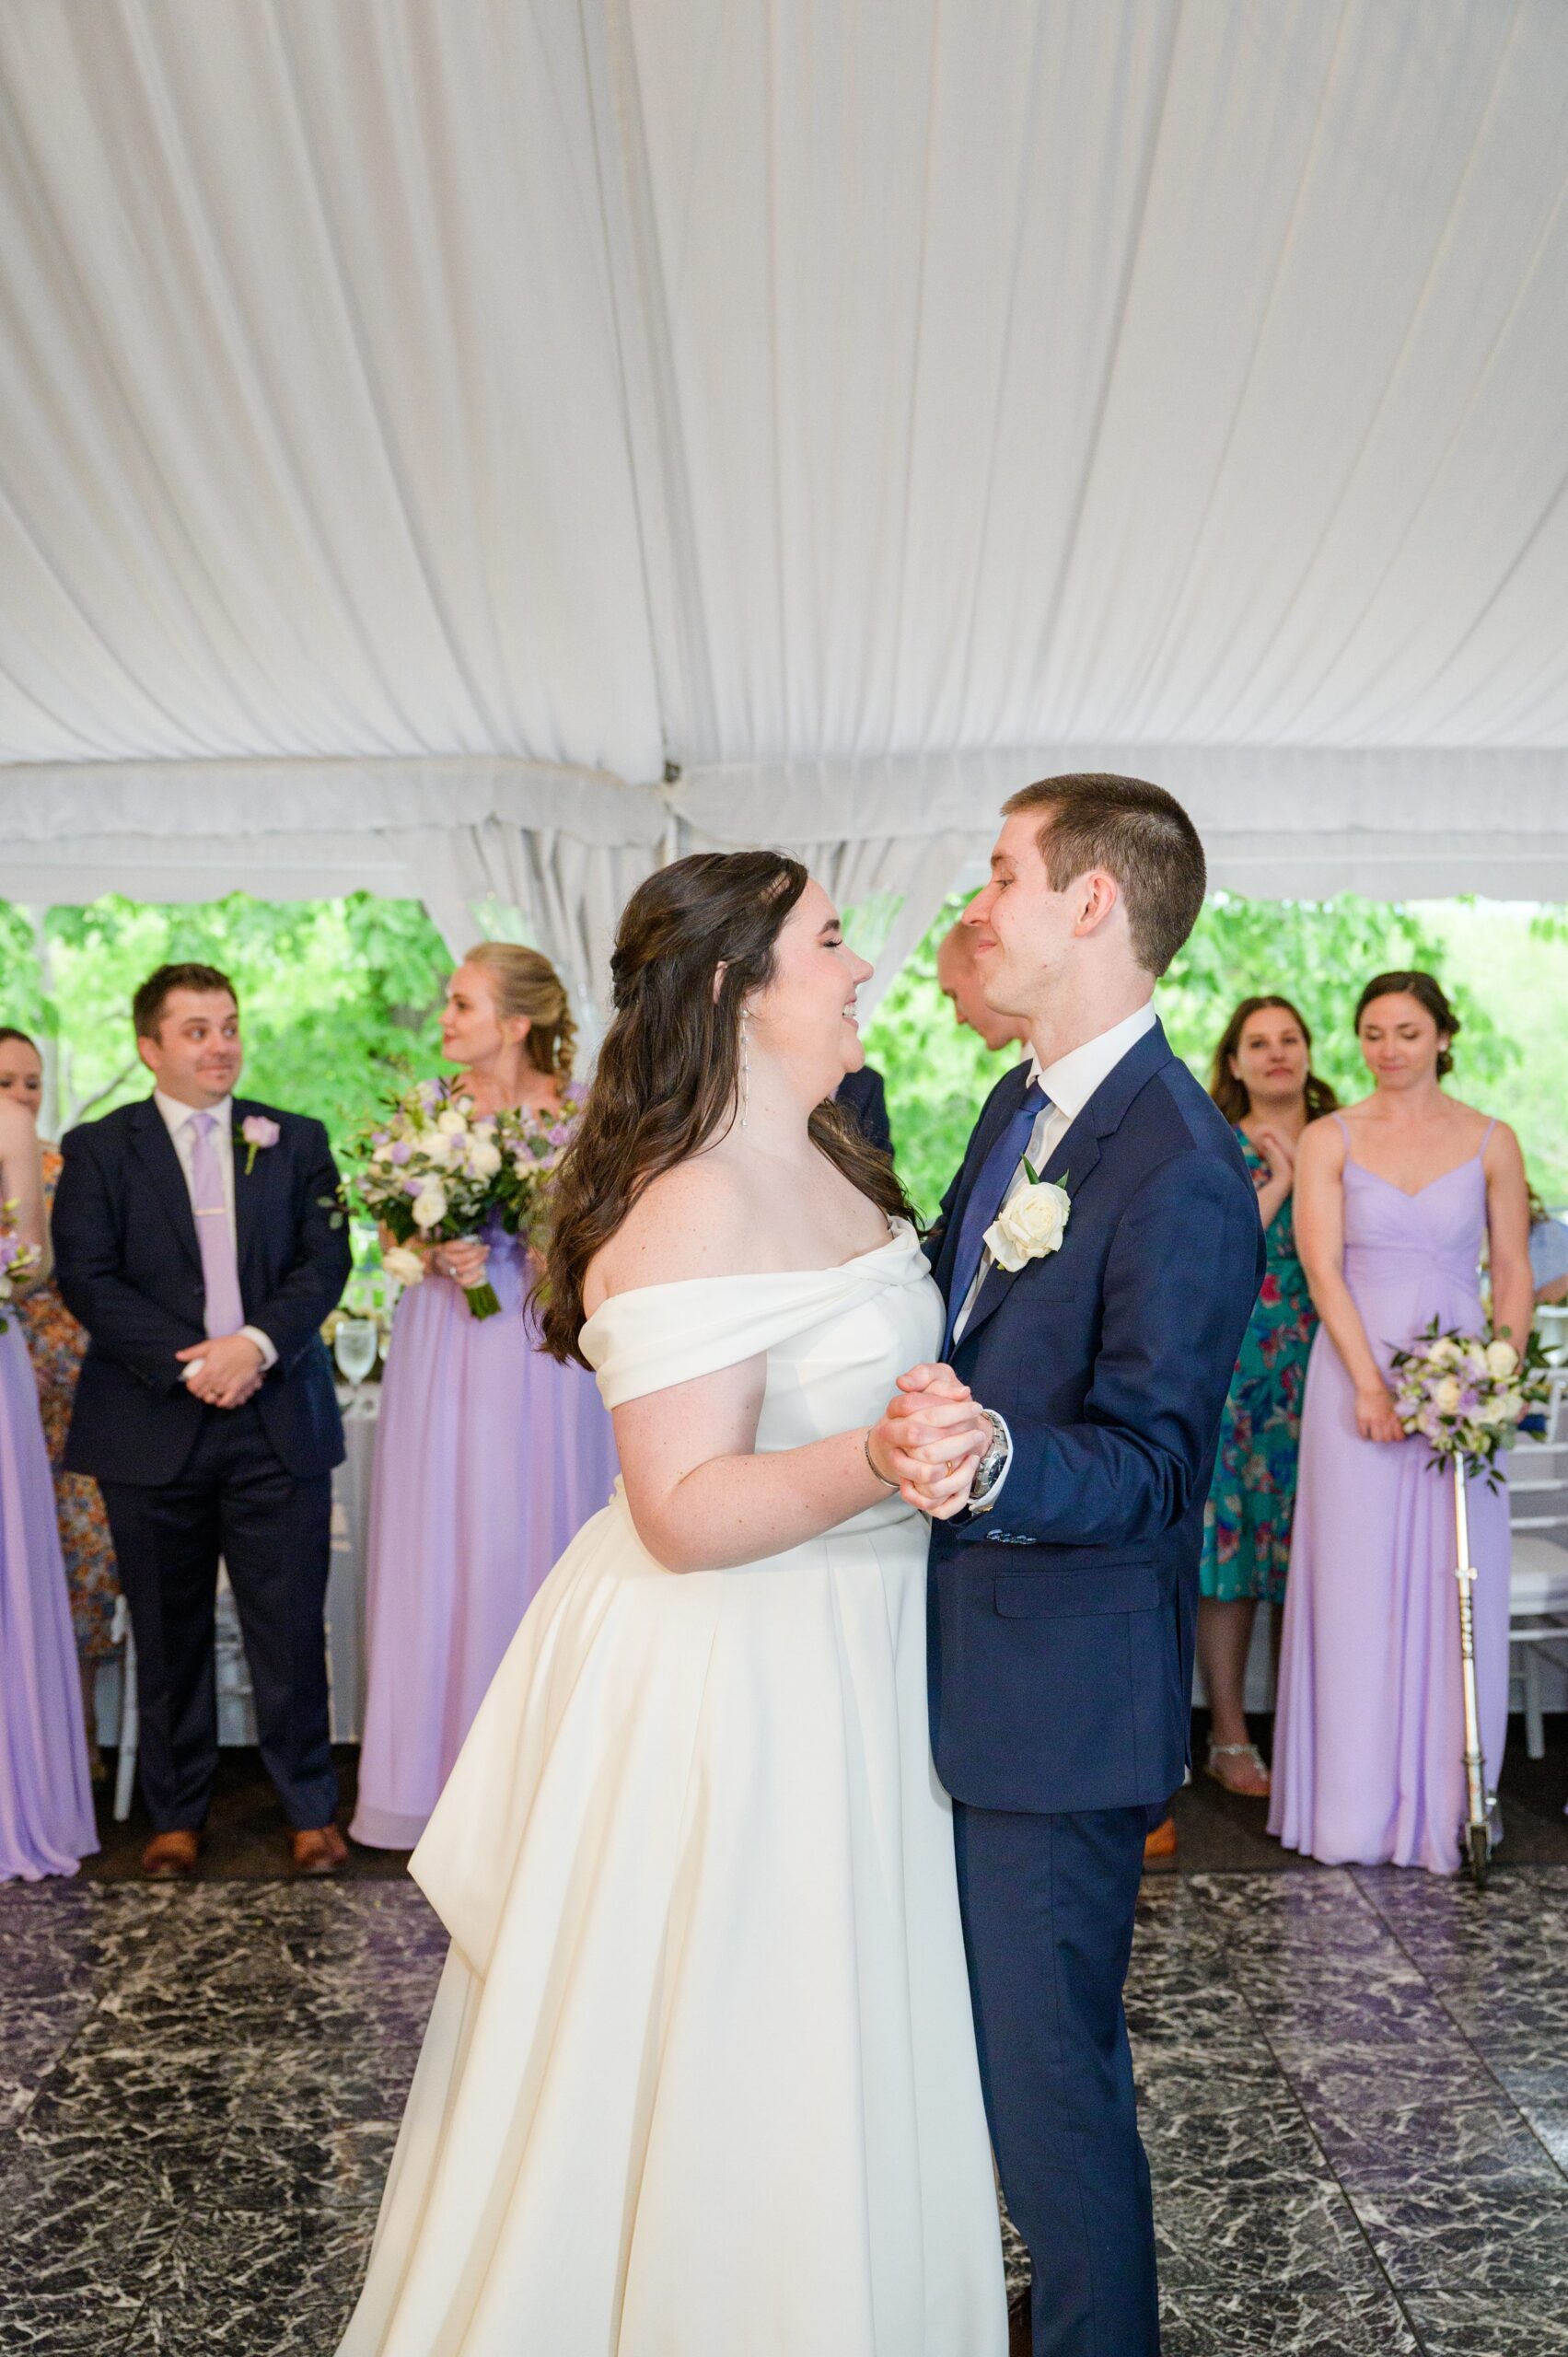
column 1467, row 1396
column 433, row 1170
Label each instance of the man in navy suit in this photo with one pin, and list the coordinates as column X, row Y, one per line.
column 197, row 1239
column 1064, row 1590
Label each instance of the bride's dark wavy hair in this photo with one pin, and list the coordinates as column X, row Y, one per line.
column 668, row 1073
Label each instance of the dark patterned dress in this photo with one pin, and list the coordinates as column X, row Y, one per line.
column 1251, row 1503
column 57, row 1345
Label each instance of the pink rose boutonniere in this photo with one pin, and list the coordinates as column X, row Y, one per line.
column 257, row 1131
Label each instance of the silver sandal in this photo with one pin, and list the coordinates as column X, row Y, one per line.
column 1238, row 1751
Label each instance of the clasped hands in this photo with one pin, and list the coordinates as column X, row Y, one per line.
column 929, row 1439
column 230, row 1370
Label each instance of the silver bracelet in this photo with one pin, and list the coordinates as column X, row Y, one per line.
column 881, row 1476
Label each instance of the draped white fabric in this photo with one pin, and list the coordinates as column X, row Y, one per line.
column 865, row 409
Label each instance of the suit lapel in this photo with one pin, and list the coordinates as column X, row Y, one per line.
column 997, row 1112
column 1076, row 1155
column 160, row 1162
column 1077, row 1152
column 247, row 1187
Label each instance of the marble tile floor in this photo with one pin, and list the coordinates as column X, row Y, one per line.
column 1354, row 2091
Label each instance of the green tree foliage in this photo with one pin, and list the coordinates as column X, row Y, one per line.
column 1316, row 953
column 330, row 992
column 335, row 992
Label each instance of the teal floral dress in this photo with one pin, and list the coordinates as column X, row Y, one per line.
column 1248, row 1518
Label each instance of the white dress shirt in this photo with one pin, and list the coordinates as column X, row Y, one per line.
column 1069, row 1083
column 179, row 1121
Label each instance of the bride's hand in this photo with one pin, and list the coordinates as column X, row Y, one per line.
column 921, row 1433
column 948, row 1492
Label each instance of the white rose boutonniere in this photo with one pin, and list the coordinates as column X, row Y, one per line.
column 1031, row 1224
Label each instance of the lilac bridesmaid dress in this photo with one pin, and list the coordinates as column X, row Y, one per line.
column 46, row 1809
column 489, row 1459
column 1369, row 1732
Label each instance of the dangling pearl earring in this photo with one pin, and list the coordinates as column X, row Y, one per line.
column 745, row 1070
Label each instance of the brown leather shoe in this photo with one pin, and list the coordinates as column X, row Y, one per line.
column 319, row 1850
column 1161, row 1842
column 170, row 1855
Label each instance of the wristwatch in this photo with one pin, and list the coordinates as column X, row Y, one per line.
column 991, row 1462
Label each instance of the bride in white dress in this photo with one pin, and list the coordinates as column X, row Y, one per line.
column 701, row 2080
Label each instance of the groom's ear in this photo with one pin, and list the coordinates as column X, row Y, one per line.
column 1099, row 896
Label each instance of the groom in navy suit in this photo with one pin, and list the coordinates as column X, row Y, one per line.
column 1063, row 1593
column 196, row 1238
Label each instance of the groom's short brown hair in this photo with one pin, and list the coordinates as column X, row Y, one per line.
column 1135, row 831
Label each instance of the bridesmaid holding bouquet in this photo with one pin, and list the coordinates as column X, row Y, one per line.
column 488, row 1456
column 1394, row 1198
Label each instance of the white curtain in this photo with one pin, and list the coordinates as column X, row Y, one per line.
column 561, row 849
column 860, row 411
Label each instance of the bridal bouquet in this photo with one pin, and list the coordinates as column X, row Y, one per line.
column 434, row 1168
column 1465, row 1395
column 18, row 1261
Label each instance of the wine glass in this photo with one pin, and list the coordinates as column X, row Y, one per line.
column 354, row 1347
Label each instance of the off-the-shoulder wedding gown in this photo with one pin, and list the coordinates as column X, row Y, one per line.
column 700, row 2078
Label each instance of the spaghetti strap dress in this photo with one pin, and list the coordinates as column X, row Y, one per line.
column 1369, row 1728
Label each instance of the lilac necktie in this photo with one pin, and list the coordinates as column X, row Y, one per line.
column 220, row 1265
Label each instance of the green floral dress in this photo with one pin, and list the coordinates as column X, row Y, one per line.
column 1248, row 1518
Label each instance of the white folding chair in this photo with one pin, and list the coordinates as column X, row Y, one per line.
column 1538, row 1587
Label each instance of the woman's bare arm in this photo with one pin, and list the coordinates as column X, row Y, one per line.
column 1320, row 1240
column 699, row 1496
column 702, row 1500
column 1508, row 1236
column 21, row 1182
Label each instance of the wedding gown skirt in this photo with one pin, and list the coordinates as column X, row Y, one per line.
column 701, row 2077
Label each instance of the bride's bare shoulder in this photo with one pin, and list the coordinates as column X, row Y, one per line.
column 693, row 1221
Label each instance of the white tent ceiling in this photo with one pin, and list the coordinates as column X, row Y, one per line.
column 431, row 419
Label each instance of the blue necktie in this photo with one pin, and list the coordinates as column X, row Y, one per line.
column 986, row 1196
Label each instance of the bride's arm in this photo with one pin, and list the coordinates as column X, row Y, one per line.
column 699, row 1496
column 702, row 1500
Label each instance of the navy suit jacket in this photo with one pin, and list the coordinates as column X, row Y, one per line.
column 865, row 1094
column 1063, row 1622
column 130, row 1268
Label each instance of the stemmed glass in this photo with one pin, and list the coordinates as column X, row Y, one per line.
column 354, row 1347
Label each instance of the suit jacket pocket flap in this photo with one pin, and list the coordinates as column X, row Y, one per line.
column 1117, row 1587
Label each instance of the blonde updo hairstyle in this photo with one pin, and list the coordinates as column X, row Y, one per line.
column 525, row 982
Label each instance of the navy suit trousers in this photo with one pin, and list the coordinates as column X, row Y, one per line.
column 233, row 1498
column 1047, row 1906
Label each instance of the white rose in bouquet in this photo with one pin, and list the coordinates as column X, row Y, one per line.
column 1445, row 1395
column 484, row 1157
column 436, row 1146
column 1475, row 1360
column 1502, row 1359
column 402, row 1261
column 1445, row 1352
column 430, row 1204
column 451, row 1124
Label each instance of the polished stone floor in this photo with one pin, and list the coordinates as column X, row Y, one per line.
column 1354, row 2092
